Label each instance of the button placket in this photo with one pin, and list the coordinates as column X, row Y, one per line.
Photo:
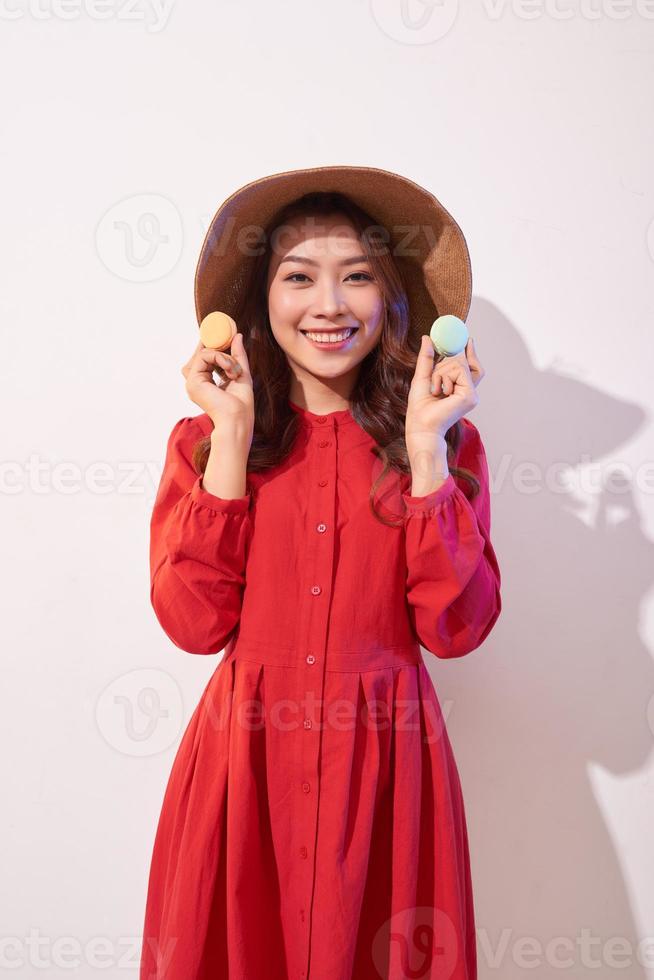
column 320, row 559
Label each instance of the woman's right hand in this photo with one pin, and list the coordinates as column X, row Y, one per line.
column 232, row 403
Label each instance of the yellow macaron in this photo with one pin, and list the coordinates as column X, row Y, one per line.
column 217, row 331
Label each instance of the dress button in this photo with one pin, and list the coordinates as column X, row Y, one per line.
column 303, row 852
column 311, row 659
column 321, row 528
column 315, row 590
column 322, row 483
column 307, row 723
column 305, row 787
column 323, row 443
column 321, row 419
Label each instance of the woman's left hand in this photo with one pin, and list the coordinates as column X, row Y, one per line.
column 439, row 396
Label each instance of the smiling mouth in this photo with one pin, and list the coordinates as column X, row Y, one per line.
column 329, row 336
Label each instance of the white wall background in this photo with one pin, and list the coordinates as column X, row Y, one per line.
column 532, row 122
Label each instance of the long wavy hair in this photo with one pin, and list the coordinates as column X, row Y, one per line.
column 379, row 399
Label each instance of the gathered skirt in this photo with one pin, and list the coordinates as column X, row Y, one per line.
column 312, row 832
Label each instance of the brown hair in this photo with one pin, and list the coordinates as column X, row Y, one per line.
column 378, row 401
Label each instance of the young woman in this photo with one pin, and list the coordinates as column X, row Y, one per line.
column 325, row 515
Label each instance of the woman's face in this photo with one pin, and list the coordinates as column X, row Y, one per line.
column 321, row 288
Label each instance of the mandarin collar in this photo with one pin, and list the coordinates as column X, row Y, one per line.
column 341, row 417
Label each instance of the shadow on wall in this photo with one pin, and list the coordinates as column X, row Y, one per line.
column 561, row 684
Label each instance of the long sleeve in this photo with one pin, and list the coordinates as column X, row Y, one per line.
column 453, row 577
column 198, row 551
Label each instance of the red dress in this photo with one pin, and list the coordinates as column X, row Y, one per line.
column 313, row 825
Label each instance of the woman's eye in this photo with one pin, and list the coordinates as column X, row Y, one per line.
column 293, row 277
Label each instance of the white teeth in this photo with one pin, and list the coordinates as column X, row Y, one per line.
column 330, row 338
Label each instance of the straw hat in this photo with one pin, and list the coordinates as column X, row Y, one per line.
column 425, row 240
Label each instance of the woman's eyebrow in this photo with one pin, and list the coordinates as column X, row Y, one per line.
column 301, row 258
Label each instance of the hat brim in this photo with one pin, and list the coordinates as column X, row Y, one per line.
column 425, row 240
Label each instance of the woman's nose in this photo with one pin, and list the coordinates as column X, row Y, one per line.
column 329, row 300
